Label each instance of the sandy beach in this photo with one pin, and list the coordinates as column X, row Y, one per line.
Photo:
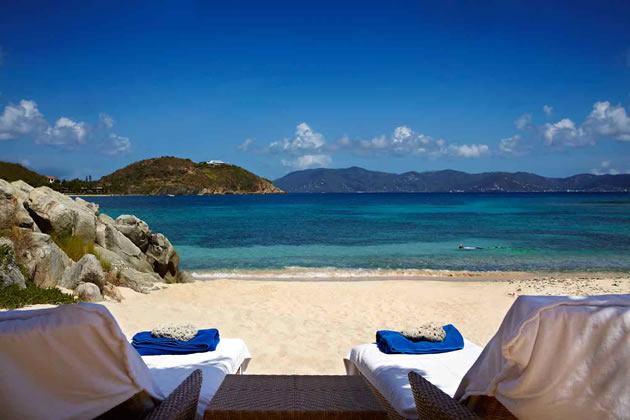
column 307, row 326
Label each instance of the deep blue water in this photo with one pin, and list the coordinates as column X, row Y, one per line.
column 391, row 231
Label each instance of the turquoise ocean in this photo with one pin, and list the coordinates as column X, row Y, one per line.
column 350, row 233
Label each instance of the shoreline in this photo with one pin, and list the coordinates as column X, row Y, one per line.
column 362, row 274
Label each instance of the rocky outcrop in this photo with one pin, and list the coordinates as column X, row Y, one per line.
column 88, row 292
column 140, row 282
column 10, row 273
column 44, row 260
column 126, row 252
column 86, row 270
column 162, row 256
column 59, row 214
column 135, row 229
column 120, row 245
column 12, row 211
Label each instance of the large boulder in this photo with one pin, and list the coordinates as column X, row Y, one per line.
column 44, row 260
column 93, row 207
column 102, row 221
column 23, row 187
column 135, row 229
column 162, row 256
column 88, row 292
column 12, row 211
column 10, row 273
column 57, row 213
column 87, row 270
column 140, row 282
column 114, row 241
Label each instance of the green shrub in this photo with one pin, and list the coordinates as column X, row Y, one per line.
column 105, row 265
column 12, row 297
column 73, row 246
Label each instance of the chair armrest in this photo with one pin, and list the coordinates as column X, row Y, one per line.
column 182, row 403
column 433, row 403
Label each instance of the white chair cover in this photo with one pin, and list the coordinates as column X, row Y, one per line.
column 558, row 358
column 69, row 362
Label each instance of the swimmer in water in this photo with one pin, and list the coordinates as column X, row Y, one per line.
column 468, row 248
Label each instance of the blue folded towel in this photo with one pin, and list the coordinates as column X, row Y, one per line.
column 393, row 342
column 148, row 345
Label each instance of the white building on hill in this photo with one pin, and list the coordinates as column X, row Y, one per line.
column 215, row 162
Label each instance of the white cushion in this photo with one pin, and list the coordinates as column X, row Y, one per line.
column 231, row 356
column 388, row 372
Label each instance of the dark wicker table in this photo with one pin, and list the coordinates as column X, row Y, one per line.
column 294, row 397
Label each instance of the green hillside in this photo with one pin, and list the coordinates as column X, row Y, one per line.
column 14, row 171
column 171, row 175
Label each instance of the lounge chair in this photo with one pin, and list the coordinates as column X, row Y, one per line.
column 387, row 373
column 552, row 357
column 73, row 361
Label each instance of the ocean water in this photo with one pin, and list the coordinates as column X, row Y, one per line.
column 355, row 232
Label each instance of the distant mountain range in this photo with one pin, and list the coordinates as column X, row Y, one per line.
column 354, row 180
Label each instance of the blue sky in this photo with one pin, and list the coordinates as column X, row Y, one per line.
column 274, row 87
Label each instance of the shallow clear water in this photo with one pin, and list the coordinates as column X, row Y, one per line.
column 391, row 231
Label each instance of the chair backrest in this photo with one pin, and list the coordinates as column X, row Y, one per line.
column 72, row 361
column 558, row 357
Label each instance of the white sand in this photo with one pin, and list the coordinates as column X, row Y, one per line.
column 307, row 327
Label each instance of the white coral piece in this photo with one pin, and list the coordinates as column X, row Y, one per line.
column 425, row 332
column 183, row 332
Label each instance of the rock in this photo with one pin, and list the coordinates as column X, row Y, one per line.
column 87, row 270
column 12, row 211
column 45, row 261
column 140, row 282
column 135, row 229
column 114, row 241
column 10, row 273
column 112, row 292
column 22, row 187
column 93, row 207
column 184, row 277
column 56, row 213
column 162, row 256
column 88, row 292
column 102, row 221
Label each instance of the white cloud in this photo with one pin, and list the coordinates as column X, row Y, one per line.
column 510, row 145
column 469, row 150
column 106, row 120
column 21, row 120
column 245, row 146
column 304, row 140
column 116, row 145
column 566, row 133
column 608, row 120
column 523, row 122
column 548, row 110
column 64, row 132
column 308, row 161
column 404, row 142
column 26, row 121
column 604, row 121
column 605, row 168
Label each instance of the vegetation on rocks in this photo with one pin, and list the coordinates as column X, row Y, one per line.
column 73, row 246
column 51, row 243
column 12, row 297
